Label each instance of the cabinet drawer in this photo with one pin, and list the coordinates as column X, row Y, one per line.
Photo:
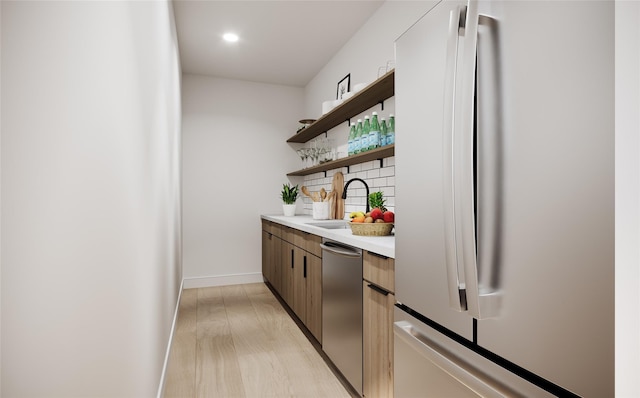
column 276, row 230
column 380, row 270
column 288, row 234
column 312, row 245
column 266, row 226
column 299, row 238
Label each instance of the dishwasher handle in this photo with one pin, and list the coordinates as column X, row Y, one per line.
column 340, row 250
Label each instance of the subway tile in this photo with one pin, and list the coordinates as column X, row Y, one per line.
column 389, row 191
column 375, row 173
column 388, row 171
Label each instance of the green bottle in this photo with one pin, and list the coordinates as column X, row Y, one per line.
column 374, row 132
column 357, row 142
column 383, row 132
column 352, row 138
column 364, row 141
column 391, row 130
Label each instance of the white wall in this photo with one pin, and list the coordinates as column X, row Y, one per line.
column 90, row 196
column 235, row 160
column 627, row 198
column 371, row 47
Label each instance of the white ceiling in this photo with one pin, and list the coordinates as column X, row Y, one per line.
column 281, row 42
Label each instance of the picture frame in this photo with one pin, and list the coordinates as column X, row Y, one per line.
column 344, row 86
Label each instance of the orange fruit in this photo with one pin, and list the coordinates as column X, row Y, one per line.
column 358, row 219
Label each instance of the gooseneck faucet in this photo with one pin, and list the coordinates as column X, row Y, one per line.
column 344, row 192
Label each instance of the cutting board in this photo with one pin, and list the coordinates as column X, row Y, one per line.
column 337, row 186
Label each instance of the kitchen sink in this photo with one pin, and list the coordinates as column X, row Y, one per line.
column 330, row 224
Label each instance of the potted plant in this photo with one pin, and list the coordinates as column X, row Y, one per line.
column 289, row 195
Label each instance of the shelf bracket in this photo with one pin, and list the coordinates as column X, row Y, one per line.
column 325, row 173
column 381, row 106
column 348, row 122
column 380, row 162
column 348, row 170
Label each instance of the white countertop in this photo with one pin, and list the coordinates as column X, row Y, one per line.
column 384, row 245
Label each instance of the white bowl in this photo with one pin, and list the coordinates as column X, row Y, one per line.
column 359, row 87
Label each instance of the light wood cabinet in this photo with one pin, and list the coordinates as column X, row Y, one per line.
column 377, row 304
column 299, row 305
column 314, row 295
column 287, row 263
column 270, row 254
column 292, row 265
column 379, row 270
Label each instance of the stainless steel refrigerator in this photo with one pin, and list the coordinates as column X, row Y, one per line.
column 505, row 200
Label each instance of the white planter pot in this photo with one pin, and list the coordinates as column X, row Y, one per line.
column 289, row 210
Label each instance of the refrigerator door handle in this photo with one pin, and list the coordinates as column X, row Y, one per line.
column 479, row 178
column 467, row 374
column 455, row 271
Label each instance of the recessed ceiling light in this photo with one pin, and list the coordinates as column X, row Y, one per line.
column 230, row 37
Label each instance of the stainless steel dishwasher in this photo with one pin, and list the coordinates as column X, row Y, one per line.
column 342, row 309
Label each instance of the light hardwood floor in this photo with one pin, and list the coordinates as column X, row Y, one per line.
column 238, row 341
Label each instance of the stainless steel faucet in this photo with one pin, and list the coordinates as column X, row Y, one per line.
column 344, row 192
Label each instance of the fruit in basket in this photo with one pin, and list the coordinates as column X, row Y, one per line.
column 379, row 220
column 359, row 219
column 369, row 220
column 355, row 214
column 376, row 214
column 376, row 201
column 388, row 216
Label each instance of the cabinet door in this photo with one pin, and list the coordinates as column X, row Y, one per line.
column 299, row 283
column 276, row 263
column 377, row 353
column 314, row 296
column 267, row 254
column 287, row 262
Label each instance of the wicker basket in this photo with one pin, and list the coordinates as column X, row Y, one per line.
column 371, row 229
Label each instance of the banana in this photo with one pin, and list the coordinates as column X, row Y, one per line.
column 355, row 214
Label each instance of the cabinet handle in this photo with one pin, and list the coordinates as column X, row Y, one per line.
column 291, row 258
column 378, row 255
column 304, row 271
column 378, row 289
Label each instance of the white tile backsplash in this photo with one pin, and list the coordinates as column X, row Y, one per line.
column 378, row 178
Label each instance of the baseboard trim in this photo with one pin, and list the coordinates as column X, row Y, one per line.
column 222, row 280
column 168, row 350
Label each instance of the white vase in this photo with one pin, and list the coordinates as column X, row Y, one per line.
column 289, row 210
column 320, row 210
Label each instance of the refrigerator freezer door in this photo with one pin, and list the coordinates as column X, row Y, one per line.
column 421, row 68
column 428, row 364
column 557, row 245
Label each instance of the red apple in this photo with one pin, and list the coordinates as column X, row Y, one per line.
column 376, row 214
column 388, row 216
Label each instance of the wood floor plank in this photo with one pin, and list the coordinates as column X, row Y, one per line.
column 181, row 367
column 262, row 372
column 238, row 341
column 309, row 375
column 217, row 369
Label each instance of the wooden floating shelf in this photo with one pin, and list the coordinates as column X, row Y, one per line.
column 374, row 154
column 373, row 94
